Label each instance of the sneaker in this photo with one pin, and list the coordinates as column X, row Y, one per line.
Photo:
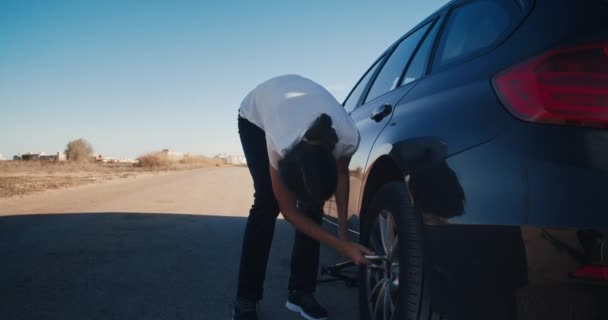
column 306, row 305
column 245, row 309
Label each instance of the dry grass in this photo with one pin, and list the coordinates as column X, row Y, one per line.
column 22, row 177
column 18, row 178
column 17, row 186
column 154, row 160
column 53, row 167
column 201, row 161
column 162, row 160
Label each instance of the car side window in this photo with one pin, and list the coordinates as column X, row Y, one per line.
column 351, row 102
column 388, row 78
column 419, row 64
column 473, row 27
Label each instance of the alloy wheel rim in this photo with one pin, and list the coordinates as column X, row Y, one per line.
column 382, row 274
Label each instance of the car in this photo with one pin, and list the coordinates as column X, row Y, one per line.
column 481, row 178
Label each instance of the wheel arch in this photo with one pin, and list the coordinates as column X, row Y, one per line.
column 433, row 184
column 384, row 170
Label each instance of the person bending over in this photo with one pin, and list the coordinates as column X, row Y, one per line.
column 298, row 141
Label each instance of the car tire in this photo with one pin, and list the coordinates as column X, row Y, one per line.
column 390, row 217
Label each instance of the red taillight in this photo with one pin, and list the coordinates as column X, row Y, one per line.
column 591, row 273
column 566, row 86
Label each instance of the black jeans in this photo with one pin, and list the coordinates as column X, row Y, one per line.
column 260, row 225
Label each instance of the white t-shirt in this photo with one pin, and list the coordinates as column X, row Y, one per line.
column 286, row 106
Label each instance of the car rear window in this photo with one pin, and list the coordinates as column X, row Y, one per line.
column 474, row 27
column 419, row 64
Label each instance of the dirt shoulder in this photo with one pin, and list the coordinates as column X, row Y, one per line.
column 19, row 178
column 213, row 190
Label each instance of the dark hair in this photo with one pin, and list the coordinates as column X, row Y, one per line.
column 321, row 131
column 309, row 170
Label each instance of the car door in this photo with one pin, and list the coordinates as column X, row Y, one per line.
column 372, row 102
column 454, row 108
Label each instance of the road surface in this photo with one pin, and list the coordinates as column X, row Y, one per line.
column 155, row 247
column 213, row 190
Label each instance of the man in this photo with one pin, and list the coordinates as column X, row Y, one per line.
column 298, row 141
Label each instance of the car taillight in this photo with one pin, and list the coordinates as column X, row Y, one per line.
column 566, row 86
column 591, row 273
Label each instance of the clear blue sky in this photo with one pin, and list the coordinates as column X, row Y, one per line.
column 138, row 76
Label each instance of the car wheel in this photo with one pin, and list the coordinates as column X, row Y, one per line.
column 392, row 285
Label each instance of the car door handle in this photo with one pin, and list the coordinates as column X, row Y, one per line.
column 381, row 112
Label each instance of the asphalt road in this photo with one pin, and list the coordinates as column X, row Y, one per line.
column 140, row 266
column 131, row 266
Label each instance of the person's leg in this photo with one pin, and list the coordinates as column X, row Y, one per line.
column 262, row 216
column 304, row 266
column 305, row 255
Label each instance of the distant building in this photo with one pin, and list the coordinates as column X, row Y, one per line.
column 40, row 156
column 232, row 159
column 100, row 158
column 59, row 156
column 104, row 159
column 125, row 160
column 28, row 156
column 2, row 157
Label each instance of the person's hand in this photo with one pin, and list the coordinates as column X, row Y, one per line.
column 355, row 252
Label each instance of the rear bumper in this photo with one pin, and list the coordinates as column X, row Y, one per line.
column 503, row 272
column 533, row 195
column 567, row 178
column 552, row 291
column 553, row 255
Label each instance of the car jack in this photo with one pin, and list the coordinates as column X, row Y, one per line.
column 340, row 272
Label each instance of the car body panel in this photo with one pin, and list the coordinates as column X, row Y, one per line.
column 362, row 118
column 442, row 103
column 507, row 204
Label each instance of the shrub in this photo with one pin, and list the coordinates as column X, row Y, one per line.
column 154, row 160
column 79, row 150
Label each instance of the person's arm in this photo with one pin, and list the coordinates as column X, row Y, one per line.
column 287, row 205
column 342, row 194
